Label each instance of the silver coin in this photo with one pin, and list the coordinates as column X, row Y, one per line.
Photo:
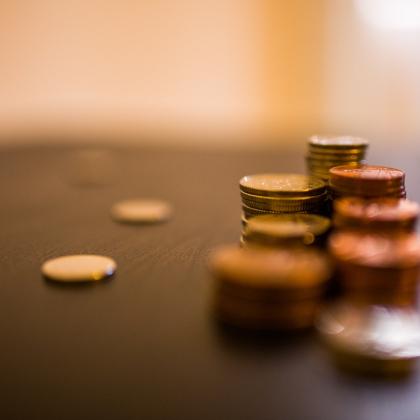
column 141, row 211
column 78, row 268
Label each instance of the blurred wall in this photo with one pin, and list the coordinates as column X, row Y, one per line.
column 234, row 72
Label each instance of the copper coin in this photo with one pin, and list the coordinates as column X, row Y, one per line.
column 376, row 250
column 378, row 213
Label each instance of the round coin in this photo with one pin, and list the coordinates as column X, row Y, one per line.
column 376, row 214
column 373, row 332
column 367, row 173
column 287, row 226
column 270, row 269
column 282, row 185
column 141, row 211
column 78, row 268
column 338, row 142
column 376, row 250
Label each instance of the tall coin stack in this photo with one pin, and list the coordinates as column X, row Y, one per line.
column 282, row 193
column 268, row 289
column 367, row 181
column 325, row 152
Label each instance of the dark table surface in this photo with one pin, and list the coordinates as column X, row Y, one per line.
column 143, row 345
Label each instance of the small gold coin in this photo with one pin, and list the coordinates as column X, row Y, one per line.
column 141, row 211
column 78, row 268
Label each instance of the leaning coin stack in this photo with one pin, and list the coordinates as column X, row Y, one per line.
column 377, row 268
column 374, row 340
column 389, row 215
column 367, row 181
column 282, row 193
column 285, row 230
column 268, row 289
column 325, row 152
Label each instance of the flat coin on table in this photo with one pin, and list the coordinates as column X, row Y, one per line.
column 141, row 211
column 78, row 268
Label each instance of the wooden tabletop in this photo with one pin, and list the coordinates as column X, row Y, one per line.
column 143, row 345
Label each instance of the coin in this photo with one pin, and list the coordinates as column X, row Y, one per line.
column 141, row 211
column 376, row 250
column 376, row 214
column 278, row 229
column 381, row 338
column 270, row 269
column 282, row 185
column 78, row 268
column 338, row 142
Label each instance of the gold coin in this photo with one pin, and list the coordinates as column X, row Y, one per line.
column 305, row 226
column 338, row 142
column 141, row 211
column 282, row 185
column 270, row 269
column 78, row 268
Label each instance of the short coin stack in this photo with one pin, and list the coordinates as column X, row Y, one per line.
column 376, row 268
column 376, row 215
column 268, row 289
column 325, row 152
column 285, row 230
column 282, row 193
column 374, row 340
column 367, row 181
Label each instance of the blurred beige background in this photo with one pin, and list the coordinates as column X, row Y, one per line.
column 220, row 72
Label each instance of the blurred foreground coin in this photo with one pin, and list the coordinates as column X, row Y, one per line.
column 141, row 211
column 374, row 339
column 78, row 268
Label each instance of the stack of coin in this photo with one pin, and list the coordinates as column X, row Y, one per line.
column 325, row 152
column 367, row 181
column 282, row 193
column 374, row 340
column 377, row 268
column 281, row 230
column 380, row 215
column 268, row 289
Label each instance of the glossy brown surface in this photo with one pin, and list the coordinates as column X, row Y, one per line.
column 143, row 345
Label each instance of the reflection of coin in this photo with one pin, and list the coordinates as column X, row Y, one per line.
column 338, row 142
column 78, row 268
column 281, row 184
column 141, row 211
